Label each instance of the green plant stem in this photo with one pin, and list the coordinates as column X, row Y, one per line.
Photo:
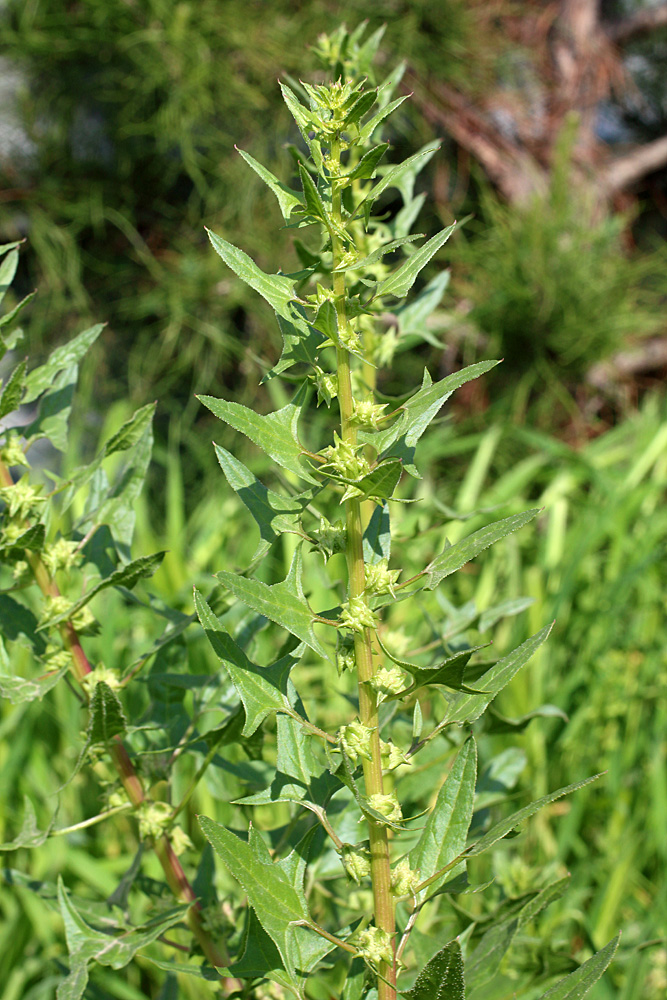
column 173, row 870
column 363, row 642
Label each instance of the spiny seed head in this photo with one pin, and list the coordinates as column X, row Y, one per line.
column 356, row 615
column 388, row 681
column 380, row 579
column 387, row 805
column 404, row 879
column 355, row 740
column 153, row 819
column 374, row 945
column 356, row 861
column 392, row 756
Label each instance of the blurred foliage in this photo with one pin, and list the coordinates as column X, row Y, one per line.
column 550, row 285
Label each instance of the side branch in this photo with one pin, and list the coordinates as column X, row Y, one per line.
column 642, row 22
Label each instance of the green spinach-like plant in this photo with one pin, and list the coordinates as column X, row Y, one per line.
column 367, row 668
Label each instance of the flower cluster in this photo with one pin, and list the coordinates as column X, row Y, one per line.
column 356, row 615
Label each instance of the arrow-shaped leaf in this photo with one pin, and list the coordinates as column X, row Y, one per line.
column 401, row 281
column 262, row 690
column 275, row 433
column 578, row 983
column 456, row 556
column 287, row 199
column 283, row 603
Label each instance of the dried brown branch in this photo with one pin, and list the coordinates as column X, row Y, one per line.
column 642, row 22
column 624, row 171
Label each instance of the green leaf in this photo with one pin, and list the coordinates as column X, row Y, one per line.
column 401, row 281
column 106, row 715
column 288, row 200
column 369, row 127
column 300, row 344
column 54, row 409
column 397, row 175
column 12, row 389
column 314, row 205
column 442, row 978
column 276, row 289
column 32, row 539
column 275, row 433
column 273, row 513
column 283, row 603
column 131, row 431
column 126, row 576
column 399, row 440
column 301, row 115
column 444, row 836
column 456, row 556
column 412, row 316
column 500, row 830
column 20, row 689
column 8, row 270
column 361, row 107
column 377, row 536
column 261, row 958
column 498, row 723
column 578, row 983
column 86, row 944
column 64, row 357
column 269, row 890
column 262, row 690
column 30, row 835
column 16, row 620
column 365, row 168
column 379, row 253
column 468, row 707
column 116, row 507
column 450, row 673
column 378, row 484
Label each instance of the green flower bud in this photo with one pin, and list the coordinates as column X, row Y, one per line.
column 374, row 945
column 61, row 555
column 404, row 879
column 327, row 385
column 55, row 657
column 83, row 620
column 21, row 573
column 330, row 538
column 387, row 805
column 345, row 459
column 12, row 451
column 99, row 675
column 356, row 615
column 388, row 681
column 22, row 499
column 380, row 579
column 355, row 740
column 356, row 861
column 367, row 414
column 345, row 658
column 153, row 819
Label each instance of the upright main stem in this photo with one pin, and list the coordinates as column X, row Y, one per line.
column 363, row 642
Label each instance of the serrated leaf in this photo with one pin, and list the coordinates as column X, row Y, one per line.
column 444, row 836
column 301, row 343
column 275, row 433
column 32, row 539
column 263, row 690
column 456, row 556
column 273, row 513
column 326, row 320
column 442, row 978
column 377, row 536
column 361, row 107
column 367, row 165
column 378, row 484
column 30, row 835
column 450, row 673
column 275, row 901
column 578, row 983
column 401, row 281
column 397, row 174
column 498, row 723
column 64, row 357
column 10, row 316
column 399, row 440
column 314, row 204
column 85, row 944
column 107, row 719
column 283, row 603
column 412, row 316
column 301, row 115
column 21, row 689
column 288, row 200
column 12, row 389
column 376, row 255
column 131, row 431
column 501, row 830
column 276, row 289
column 261, row 958
column 468, row 707
column 8, row 270
column 54, row 409
column 16, row 620
column 369, row 127
column 126, row 576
